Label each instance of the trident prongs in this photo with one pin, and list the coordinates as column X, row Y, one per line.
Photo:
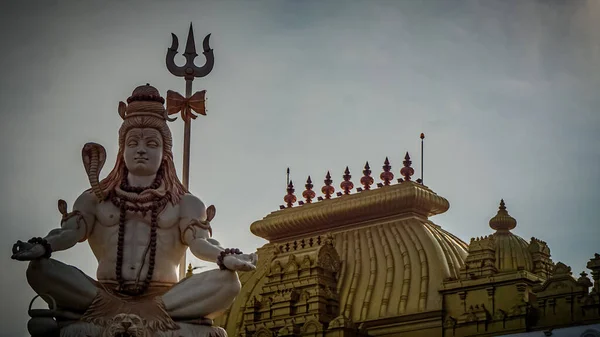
column 189, row 70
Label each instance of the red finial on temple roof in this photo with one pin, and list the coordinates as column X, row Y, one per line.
column 308, row 194
column 407, row 171
column 366, row 179
column 386, row 175
column 290, row 198
column 328, row 189
column 347, row 185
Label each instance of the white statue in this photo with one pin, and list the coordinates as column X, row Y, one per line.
column 138, row 221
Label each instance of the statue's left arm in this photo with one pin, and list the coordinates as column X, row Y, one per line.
column 195, row 233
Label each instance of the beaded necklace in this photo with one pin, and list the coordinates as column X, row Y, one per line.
column 126, row 205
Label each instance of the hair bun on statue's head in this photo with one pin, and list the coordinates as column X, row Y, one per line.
column 144, row 101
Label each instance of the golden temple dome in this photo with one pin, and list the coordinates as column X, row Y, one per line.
column 512, row 251
column 385, row 257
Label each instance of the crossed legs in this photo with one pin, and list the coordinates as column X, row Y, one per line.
column 207, row 294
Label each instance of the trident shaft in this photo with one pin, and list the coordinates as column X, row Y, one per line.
column 189, row 71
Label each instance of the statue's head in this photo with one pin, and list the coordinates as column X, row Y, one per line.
column 145, row 142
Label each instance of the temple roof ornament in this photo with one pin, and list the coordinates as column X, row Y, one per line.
column 366, row 179
column 407, row 171
column 290, row 198
column 515, row 253
column 387, row 174
column 347, row 185
column 413, row 199
column 512, row 251
column 308, row 194
column 408, row 198
column 327, row 189
column 503, row 221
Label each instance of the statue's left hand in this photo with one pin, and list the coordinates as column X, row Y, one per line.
column 25, row 251
column 241, row 262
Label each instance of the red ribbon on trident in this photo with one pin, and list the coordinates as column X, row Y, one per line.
column 177, row 103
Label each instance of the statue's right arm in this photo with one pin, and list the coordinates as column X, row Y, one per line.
column 76, row 228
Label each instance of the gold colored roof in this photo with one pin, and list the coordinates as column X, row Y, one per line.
column 393, row 257
column 401, row 199
column 395, row 267
column 512, row 251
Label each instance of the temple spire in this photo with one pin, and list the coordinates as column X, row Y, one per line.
column 290, row 198
column 366, row 179
column 407, row 171
column 328, row 189
column 347, row 185
column 387, row 175
column 503, row 221
column 308, row 194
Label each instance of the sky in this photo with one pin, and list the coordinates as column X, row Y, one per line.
column 506, row 93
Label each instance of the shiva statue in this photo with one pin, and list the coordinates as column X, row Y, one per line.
column 139, row 221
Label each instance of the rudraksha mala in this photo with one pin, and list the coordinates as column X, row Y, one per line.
column 43, row 242
column 227, row 251
column 157, row 204
column 137, row 189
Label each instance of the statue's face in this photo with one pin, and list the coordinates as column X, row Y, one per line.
column 143, row 151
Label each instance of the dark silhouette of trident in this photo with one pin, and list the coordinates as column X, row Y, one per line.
column 189, row 70
column 176, row 103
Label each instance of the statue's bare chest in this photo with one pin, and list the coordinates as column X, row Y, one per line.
column 109, row 216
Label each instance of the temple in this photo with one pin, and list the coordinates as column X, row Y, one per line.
column 370, row 262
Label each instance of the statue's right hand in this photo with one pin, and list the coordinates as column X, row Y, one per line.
column 25, row 251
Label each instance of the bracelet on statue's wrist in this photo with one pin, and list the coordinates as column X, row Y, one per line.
column 45, row 244
column 227, row 251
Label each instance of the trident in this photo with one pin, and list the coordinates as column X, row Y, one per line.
column 176, row 103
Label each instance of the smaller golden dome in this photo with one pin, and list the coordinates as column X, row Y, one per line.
column 503, row 221
column 512, row 251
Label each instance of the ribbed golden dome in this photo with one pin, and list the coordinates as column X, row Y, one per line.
column 512, row 251
column 393, row 259
column 396, row 267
